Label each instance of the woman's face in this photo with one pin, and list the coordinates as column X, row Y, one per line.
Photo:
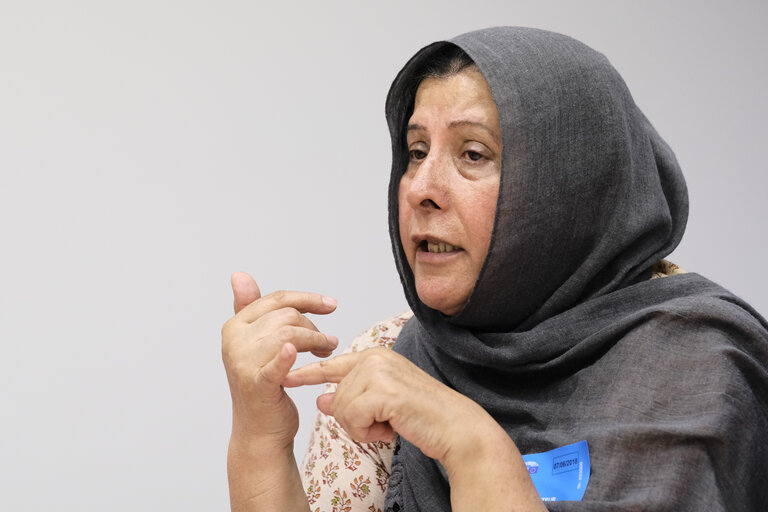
column 447, row 196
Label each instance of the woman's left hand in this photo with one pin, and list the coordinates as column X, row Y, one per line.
column 380, row 392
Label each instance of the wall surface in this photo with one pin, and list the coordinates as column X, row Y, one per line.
column 150, row 148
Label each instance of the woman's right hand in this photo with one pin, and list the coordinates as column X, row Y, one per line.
column 259, row 347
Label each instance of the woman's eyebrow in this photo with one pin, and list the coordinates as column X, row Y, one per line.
column 466, row 122
column 459, row 122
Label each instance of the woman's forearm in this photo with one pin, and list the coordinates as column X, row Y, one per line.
column 262, row 478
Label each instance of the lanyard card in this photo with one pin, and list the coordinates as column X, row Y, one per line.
column 561, row 474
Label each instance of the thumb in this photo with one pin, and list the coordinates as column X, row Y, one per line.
column 324, row 403
column 245, row 290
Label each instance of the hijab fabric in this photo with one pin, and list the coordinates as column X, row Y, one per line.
column 565, row 337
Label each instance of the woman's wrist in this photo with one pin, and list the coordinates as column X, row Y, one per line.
column 474, row 441
column 249, row 436
column 485, row 468
column 254, row 448
column 263, row 476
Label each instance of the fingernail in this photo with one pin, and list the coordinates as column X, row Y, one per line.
column 333, row 341
column 330, row 301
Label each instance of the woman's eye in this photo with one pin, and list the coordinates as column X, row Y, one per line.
column 417, row 154
column 474, row 156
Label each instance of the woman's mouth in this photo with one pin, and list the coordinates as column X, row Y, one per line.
column 437, row 247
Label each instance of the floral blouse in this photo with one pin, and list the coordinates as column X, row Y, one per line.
column 342, row 475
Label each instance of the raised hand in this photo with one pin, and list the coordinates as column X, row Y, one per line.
column 259, row 346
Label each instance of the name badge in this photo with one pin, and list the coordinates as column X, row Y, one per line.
column 561, row 474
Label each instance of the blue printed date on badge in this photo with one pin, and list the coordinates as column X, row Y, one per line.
column 561, row 474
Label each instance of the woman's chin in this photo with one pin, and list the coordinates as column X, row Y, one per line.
column 441, row 298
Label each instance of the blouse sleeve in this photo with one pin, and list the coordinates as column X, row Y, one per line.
column 342, row 475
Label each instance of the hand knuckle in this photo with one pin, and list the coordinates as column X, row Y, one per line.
column 295, row 317
column 226, row 328
column 323, row 364
column 378, row 357
column 289, row 316
column 228, row 337
column 279, row 296
column 284, row 334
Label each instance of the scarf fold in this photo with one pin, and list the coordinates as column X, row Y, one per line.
column 564, row 337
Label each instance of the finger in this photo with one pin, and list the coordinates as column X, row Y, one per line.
column 321, row 354
column 278, row 318
column 275, row 320
column 276, row 369
column 303, row 302
column 332, row 370
column 362, row 418
column 303, row 340
column 244, row 289
column 325, row 403
column 379, row 432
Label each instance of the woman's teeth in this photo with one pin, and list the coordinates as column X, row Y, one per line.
column 440, row 247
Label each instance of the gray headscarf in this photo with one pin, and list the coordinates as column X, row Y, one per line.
column 564, row 337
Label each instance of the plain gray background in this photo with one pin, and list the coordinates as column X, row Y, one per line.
column 150, row 148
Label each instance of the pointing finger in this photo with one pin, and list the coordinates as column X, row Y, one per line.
column 332, row 370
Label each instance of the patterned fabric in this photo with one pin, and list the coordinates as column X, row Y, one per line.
column 665, row 268
column 342, row 475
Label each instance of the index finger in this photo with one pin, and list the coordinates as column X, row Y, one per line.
column 330, row 371
column 303, row 302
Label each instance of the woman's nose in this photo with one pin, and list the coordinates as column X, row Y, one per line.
column 428, row 187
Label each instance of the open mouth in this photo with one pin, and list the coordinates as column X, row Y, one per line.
column 437, row 247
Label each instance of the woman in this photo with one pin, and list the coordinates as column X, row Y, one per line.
column 531, row 203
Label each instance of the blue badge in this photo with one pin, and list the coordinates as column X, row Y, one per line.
column 561, row 474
